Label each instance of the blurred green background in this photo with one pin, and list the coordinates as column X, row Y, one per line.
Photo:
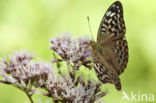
column 31, row 23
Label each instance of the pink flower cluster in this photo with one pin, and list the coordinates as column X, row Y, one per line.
column 74, row 51
column 23, row 72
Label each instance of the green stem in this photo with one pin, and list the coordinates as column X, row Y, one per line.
column 30, row 97
column 25, row 91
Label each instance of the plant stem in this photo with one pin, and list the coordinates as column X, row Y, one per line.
column 29, row 96
column 5, row 82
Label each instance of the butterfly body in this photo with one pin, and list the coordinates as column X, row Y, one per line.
column 110, row 52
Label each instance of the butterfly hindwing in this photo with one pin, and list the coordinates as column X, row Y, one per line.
column 105, row 72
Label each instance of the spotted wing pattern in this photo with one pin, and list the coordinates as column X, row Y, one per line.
column 112, row 22
column 121, row 53
column 111, row 56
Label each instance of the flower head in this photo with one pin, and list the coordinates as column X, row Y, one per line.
column 24, row 73
column 76, row 90
column 73, row 51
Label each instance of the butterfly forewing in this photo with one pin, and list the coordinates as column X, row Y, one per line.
column 112, row 22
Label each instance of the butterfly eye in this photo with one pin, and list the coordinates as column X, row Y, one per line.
column 92, row 43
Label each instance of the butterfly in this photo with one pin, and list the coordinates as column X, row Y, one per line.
column 110, row 52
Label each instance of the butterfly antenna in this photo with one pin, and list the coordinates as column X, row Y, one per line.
column 90, row 27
